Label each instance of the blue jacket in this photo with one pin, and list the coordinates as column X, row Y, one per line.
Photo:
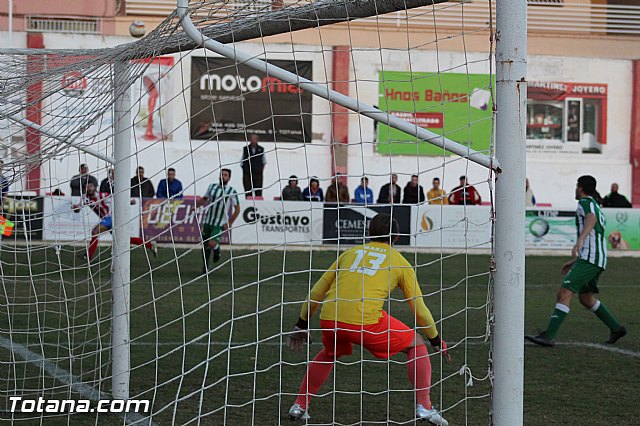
column 175, row 189
column 363, row 195
column 308, row 196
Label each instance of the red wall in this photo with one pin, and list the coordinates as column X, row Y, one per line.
column 35, row 65
column 635, row 135
column 339, row 114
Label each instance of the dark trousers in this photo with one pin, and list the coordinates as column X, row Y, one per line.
column 252, row 184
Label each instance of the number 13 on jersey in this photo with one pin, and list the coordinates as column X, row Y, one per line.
column 367, row 262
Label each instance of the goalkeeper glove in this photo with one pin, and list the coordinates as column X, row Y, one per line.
column 440, row 345
column 298, row 336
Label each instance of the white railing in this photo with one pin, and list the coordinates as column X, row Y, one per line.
column 593, row 18
column 553, row 16
column 542, row 17
column 165, row 7
column 60, row 24
column 150, row 7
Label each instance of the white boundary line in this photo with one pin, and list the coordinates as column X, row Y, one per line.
column 276, row 281
column 598, row 346
column 63, row 376
column 317, row 246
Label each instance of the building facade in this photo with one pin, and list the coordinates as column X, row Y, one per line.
column 583, row 114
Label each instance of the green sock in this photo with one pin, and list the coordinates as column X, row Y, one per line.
column 605, row 316
column 557, row 317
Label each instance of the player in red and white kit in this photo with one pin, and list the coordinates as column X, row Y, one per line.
column 464, row 194
column 99, row 205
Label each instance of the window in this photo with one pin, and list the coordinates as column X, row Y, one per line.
column 45, row 24
column 573, row 129
column 593, row 127
column 545, row 2
column 544, row 120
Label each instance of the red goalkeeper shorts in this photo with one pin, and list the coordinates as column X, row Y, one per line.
column 384, row 339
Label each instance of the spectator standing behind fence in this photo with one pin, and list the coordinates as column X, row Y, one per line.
column 413, row 192
column 142, row 186
column 337, row 192
column 170, row 187
column 79, row 182
column 313, row 192
column 253, row 164
column 464, row 194
column 390, row 192
column 364, row 194
column 292, row 191
column 530, row 199
column 437, row 195
column 615, row 199
column 106, row 186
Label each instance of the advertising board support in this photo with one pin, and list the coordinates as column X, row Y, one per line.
column 26, row 213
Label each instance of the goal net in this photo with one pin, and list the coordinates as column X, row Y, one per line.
column 366, row 107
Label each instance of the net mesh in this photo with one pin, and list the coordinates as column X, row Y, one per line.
column 209, row 345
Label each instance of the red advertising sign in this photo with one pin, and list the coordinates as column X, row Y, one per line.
column 553, row 90
column 74, row 83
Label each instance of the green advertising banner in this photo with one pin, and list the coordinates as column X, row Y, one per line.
column 552, row 229
column 623, row 229
column 457, row 106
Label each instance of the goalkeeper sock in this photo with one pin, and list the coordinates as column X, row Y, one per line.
column 317, row 373
column 137, row 241
column 93, row 246
column 419, row 371
column 605, row 316
column 557, row 317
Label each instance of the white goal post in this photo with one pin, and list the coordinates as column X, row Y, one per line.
column 509, row 282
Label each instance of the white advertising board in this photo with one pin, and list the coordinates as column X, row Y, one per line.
column 278, row 222
column 436, row 226
column 62, row 223
column 550, row 229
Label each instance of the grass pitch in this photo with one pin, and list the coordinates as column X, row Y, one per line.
column 210, row 347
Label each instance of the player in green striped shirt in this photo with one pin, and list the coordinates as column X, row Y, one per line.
column 223, row 207
column 582, row 273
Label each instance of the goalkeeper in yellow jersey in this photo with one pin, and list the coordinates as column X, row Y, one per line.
column 352, row 293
